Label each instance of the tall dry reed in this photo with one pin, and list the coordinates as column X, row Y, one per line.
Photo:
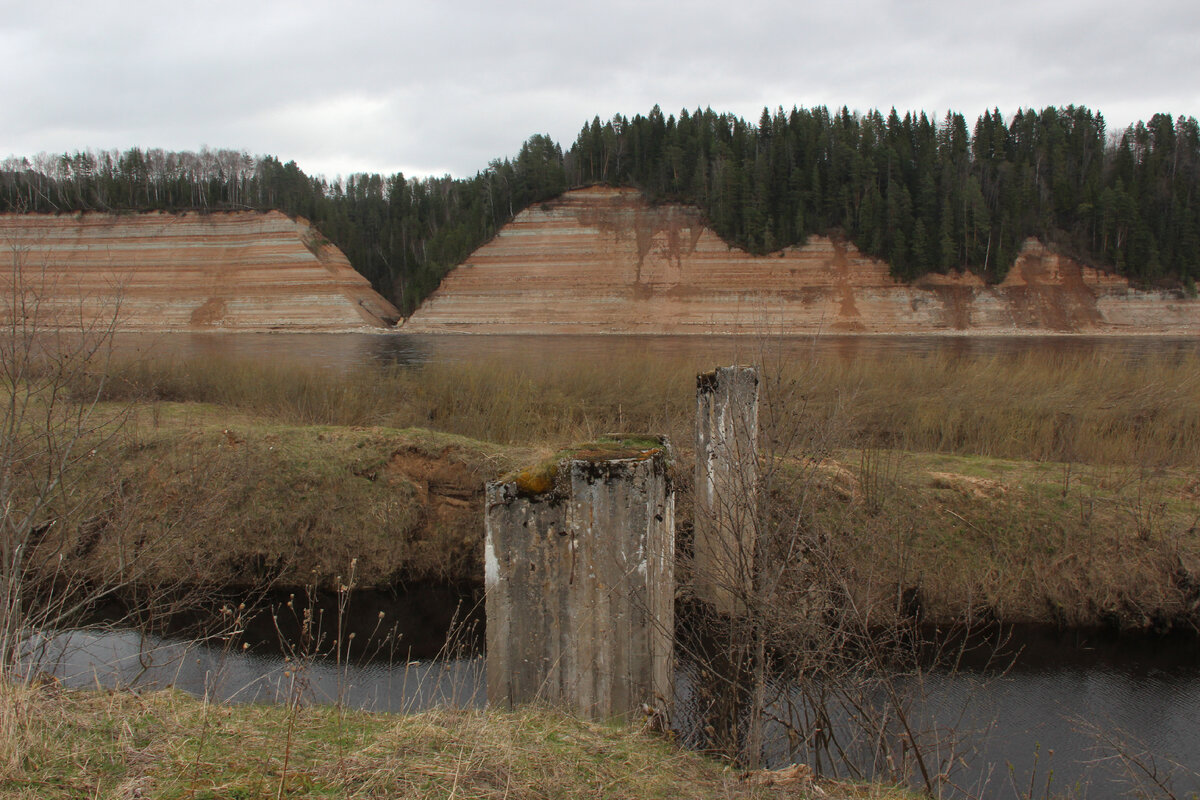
column 1036, row 405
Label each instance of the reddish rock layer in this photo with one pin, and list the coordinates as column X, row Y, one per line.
column 602, row 260
column 241, row 271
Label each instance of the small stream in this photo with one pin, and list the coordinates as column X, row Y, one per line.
column 1088, row 715
column 372, row 650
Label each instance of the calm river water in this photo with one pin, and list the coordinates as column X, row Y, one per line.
column 1056, row 718
column 345, row 351
column 1044, row 727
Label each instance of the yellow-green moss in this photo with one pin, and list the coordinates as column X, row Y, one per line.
column 541, row 478
column 538, row 479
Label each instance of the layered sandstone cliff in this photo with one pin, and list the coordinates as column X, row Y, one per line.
column 602, row 260
column 235, row 271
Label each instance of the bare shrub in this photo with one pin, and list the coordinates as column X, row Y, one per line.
column 62, row 497
column 803, row 659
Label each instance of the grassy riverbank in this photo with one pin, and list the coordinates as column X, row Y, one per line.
column 247, row 501
column 1051, row 487
column 1057, row 488
column 227, row 499
column 971, row 538
column 56, row 743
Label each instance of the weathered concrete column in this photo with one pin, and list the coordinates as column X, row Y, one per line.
column 580, row 581
column 726, row 486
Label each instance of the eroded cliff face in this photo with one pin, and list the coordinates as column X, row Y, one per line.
column 235, row 271
column 602, row 260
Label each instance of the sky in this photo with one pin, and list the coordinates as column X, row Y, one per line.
column 445, row 86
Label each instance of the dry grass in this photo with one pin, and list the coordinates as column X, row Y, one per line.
column 16, row 721
column 1048, row 486
column 165, row 744
column 977, row 539
column 1038, row 406
column 492, row 402
column 203, row 497
column 1042, row 486
column 1041, row 405
column 226, row 500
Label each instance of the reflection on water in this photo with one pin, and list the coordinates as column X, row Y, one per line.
column 373, row 649
column 229, row 673
column 1070, row 725
column 1066, row 730
column 1081, row 714
column 343, row 351
column 1088, row 703
column 333, row 351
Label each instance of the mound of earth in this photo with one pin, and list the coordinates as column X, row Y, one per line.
column 603, row 260
column 240, row 271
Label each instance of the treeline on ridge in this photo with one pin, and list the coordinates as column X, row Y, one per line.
column 402, row 233
column 922, row 194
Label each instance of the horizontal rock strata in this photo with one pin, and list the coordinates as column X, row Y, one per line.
column 602, row 260
column 239, row 271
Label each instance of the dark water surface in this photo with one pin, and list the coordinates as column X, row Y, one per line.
column 1080, row 715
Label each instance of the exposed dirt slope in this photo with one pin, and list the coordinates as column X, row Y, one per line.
column 602, row 260
column 243, row 271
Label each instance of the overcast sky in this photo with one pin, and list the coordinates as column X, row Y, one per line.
column 446, row 86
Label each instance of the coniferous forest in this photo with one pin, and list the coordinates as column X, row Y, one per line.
column 923, row 194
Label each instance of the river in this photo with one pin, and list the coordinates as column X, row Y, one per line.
column 1047, row 714
column 346, row 351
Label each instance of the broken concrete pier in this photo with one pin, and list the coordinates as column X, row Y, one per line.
column 726, row 487
column 580, row 581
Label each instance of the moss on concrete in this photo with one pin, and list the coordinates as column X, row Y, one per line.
column 542, row 478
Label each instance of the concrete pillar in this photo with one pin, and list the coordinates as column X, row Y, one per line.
column 580, row 581
column 726, row 486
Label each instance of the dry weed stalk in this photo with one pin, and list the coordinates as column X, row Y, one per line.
column 802, row 654
column 64, row 548
column 1146, row 774
column 1071, row 407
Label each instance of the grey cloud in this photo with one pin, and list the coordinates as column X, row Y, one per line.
column 430, row 87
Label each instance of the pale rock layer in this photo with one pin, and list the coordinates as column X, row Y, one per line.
column 603, row 260
column 220, row 271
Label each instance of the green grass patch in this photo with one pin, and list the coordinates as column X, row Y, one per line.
column 68, row 744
